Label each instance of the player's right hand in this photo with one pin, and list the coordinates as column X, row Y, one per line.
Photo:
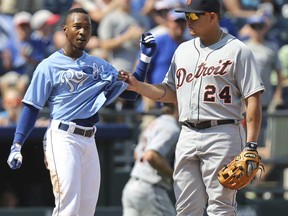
column 128, row 78
column 15, row 156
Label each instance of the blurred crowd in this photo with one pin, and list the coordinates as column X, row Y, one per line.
column 30, row 30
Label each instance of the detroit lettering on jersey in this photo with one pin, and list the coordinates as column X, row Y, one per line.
column 202, row 70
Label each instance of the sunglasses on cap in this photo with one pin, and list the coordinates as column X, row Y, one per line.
column 193, row 16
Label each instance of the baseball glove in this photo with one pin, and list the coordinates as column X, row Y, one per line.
column 241, row 171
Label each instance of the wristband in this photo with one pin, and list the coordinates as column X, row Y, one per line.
column 145, row 58
column 251, row 145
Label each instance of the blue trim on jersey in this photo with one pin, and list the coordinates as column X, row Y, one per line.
column 26, row 123
column 140, row 74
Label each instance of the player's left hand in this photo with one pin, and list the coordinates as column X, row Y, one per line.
column 15, row 157
column 148, row 44
column 242, row 170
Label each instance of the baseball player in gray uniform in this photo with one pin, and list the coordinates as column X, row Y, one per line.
column 215, row 80
column 147, row 191
column 75, row 85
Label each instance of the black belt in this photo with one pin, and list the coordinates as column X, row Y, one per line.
column 208, row 124
column 79, row 131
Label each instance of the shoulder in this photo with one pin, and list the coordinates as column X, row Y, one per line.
column 94, row 59
column 54, row 57
column 236, row 47
column 51, row 63
column 233, row 41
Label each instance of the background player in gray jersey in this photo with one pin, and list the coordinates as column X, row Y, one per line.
column 214, row 79
column 75, row 85
column 147, row 191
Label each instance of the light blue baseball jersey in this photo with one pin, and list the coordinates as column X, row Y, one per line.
column 74, row 89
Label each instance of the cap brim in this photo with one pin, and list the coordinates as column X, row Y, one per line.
column 188, row 11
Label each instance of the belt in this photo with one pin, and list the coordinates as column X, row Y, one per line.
column 208, row 124
column 77, row 130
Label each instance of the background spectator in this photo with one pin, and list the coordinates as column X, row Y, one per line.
column 98, row 9
column 167, row 43
column 119, row 34
column 266, row 56
column 42, row 23
column 158, row 14
column 23, row 53
column 11, row 102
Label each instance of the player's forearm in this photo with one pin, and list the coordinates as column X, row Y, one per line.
column 253, row 117
column 156, row 92
column 279, row 87
column 159, row 163
column 114, row 43
column 25, row 124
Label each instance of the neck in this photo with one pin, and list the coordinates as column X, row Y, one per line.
column 212, row 40
column 74, row 54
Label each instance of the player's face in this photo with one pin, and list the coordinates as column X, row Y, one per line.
column 197, row 22
column 78, row 30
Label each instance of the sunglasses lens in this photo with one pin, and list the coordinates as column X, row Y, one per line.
column 191, row 16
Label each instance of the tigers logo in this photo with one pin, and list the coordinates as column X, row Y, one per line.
column 189, row 2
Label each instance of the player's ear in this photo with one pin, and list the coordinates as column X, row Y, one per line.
column 64, row 28
column 212, row 17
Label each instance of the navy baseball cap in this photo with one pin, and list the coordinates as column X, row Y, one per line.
column 201, row 6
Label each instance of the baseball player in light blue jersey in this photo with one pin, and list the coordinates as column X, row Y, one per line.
column 214, row 79
column 75, row 85
column 146, row 192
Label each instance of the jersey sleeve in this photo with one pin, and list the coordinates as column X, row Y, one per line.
column 40, row 87
column 114, row 87
column 169, row 78
column 247, row 74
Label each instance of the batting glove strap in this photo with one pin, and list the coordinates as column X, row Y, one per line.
column 15, row 158
column 251, row 146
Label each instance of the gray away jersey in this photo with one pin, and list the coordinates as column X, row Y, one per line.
column 212, row 82
column 74, row 89
column 161, row 135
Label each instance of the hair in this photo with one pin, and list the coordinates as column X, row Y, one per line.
column 75, row 10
